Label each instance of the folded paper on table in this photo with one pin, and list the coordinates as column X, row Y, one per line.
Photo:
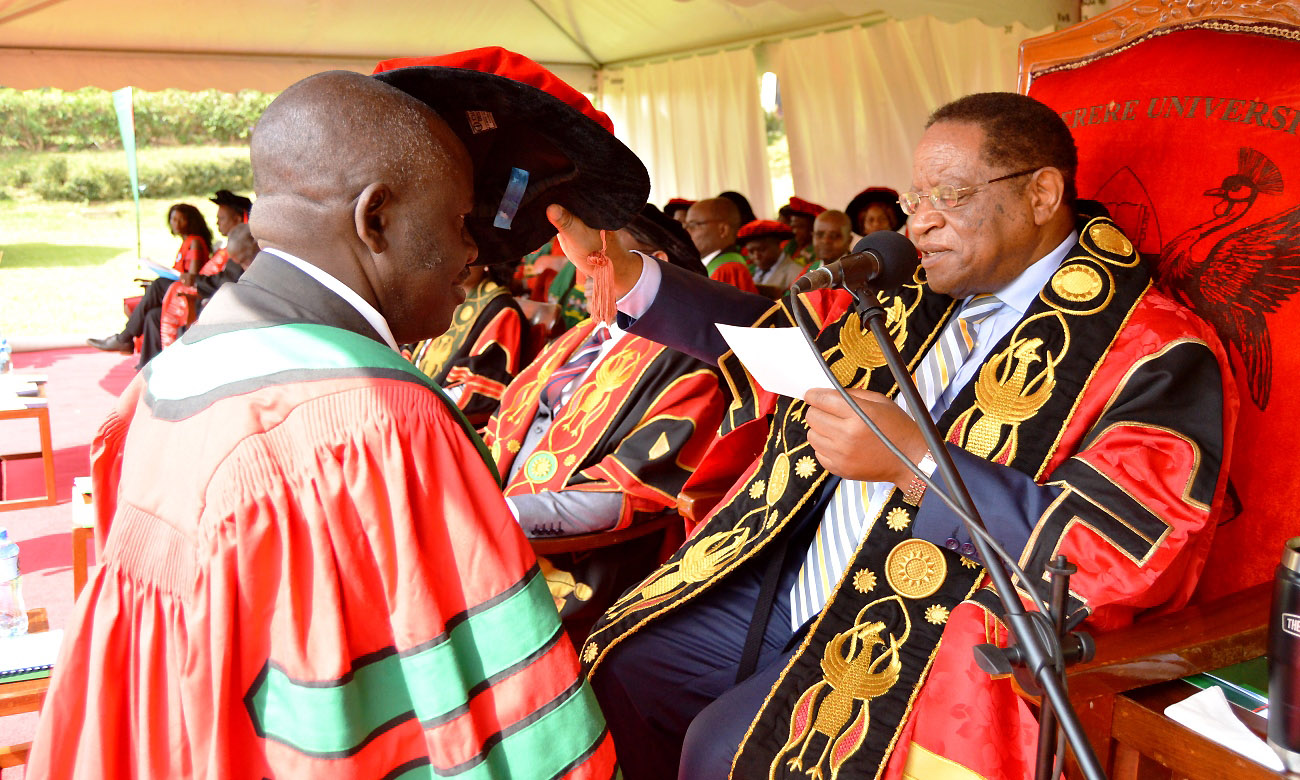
column 22, row 655
column 779, row 359
column 1209, row 714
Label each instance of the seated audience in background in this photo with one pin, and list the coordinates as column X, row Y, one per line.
column 534, row 275
column 712, row 224
column 308, row 567
column 774, row 270
column 193, row 259
column 676, row 208
column 232, row 210
column 568, row 289
column 480, row 353
column 797, row 632
column 747, row 214
column 600, row 433
column 799, row 215
column 832, row 237
column 875, row 208
column 168, row 321
column 196, row 237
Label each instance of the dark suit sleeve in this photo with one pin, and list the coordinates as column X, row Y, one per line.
column 1009, row 503
column 686, row 309
column 207, row 285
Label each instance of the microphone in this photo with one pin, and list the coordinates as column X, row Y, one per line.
column 884, row 260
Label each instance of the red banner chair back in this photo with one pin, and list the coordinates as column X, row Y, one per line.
column 1187, row 120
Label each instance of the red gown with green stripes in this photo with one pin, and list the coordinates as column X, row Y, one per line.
column 308, row 571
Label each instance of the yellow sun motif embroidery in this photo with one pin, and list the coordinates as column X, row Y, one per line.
column 513, row 446
column 915, row 568
column 756, row 489
column 864, row 581
column 570, row 459
column 898, row 519
column 805, row 467
column 936, row 614
column 968, row 563
column 589, row 653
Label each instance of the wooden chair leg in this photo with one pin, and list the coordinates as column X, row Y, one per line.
column 81, row 538
column 47, row 455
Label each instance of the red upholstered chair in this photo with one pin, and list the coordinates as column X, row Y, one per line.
column 1186, row 113
column 545, row 322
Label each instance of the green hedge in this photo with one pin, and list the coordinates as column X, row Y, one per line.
column 106, row 179
column 46, row 119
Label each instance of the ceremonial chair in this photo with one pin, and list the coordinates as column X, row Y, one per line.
column 1186, row 115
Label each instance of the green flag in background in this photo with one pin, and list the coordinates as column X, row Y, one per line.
column 126, row 124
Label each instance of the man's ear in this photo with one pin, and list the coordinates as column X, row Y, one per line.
column 372, row 218
column 661, row 254
column 1046, row 192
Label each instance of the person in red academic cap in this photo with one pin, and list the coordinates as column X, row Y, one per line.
column 875, row 208
column 774, row 270
column 308, row 567
column 676, row 208
column 799, row 215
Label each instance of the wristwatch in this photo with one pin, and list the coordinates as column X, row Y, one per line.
column 916, row 488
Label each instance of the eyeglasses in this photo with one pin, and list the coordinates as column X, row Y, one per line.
column 691, row 224
column 946, row 196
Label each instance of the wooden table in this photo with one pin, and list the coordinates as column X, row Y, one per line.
column 1153, row 745
column 23, row 696
column 13, row 407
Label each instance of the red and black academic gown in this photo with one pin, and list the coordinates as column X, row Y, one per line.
column 192, row 256
column 1096, row 428
column 637, row 425
column 480, row 352
column 730, row 268
column 327, row 584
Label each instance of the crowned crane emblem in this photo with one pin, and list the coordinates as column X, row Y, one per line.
column 1235, row 268
column 837, row 709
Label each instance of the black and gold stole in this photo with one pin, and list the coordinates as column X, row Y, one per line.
column 432, row 356
column 843, row 699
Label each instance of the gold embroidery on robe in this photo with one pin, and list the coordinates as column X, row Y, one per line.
column 837, row 708
column 702, row 560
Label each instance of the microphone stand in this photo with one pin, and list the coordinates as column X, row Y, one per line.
column 1030, row 651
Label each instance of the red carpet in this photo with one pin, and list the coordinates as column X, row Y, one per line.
column 83, row 386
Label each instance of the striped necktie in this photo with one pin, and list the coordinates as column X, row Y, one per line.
column 845, row 521
column 941, row 363
column 553, row 392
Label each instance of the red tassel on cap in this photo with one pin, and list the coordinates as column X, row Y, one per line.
column 602, row 304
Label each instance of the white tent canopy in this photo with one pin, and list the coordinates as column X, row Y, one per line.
column 679, row 77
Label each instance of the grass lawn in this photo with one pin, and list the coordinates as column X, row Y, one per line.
column 67, row 266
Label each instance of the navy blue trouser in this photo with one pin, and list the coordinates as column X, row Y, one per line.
column 669, row 691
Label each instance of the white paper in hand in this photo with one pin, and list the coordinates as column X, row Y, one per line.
column 778, row 358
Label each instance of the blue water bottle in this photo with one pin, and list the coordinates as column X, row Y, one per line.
column 13, row 612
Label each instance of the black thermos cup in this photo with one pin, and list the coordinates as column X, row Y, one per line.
column 1284, row 659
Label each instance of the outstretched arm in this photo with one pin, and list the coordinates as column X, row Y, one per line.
column 682, row 307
